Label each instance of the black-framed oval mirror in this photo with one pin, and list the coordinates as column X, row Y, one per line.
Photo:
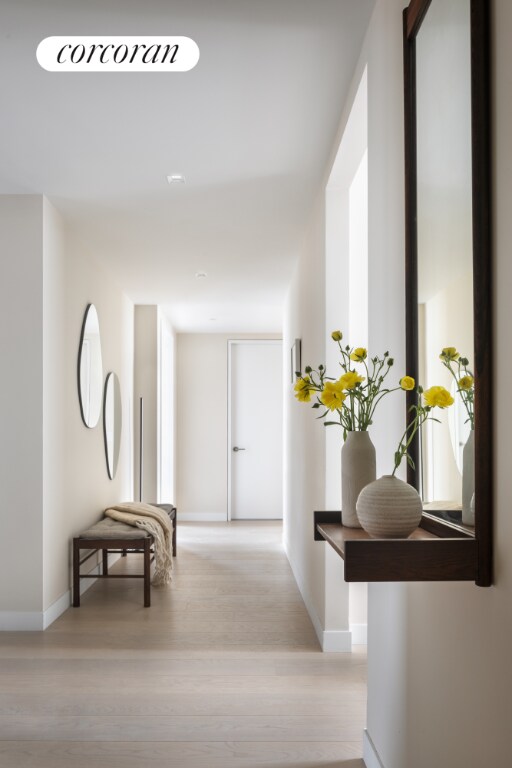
column 448, row 257
column 112, row 423
column 90, row 368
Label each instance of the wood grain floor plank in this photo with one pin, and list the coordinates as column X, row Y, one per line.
column 183, row 728
column 50, row 754
column 224, row 670
column 131, row 702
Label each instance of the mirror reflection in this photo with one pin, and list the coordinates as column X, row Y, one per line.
column 445, row 248
column 90, row 369
column 112, row 422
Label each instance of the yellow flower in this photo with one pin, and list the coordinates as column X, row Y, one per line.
column 350, row 379
column 332, row 396
column 359, row 354
column 449, row 353
column 407, row 383
column 466, row 382
column 336, row 335
column 437, row 396
column 302, row 391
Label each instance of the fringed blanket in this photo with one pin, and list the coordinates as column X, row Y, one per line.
column 156, row 522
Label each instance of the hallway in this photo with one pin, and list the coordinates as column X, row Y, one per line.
column 224, row 670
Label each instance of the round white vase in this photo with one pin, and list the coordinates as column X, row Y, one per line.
column 358, row 468
column 468, row 479
column 388, row 508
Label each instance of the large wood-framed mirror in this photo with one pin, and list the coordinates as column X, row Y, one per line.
column 448, row 258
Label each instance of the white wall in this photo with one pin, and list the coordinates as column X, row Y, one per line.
column 47, row 282
column 318, row 303
column 382, row 54
column 459, row 636
column 146, row 387
column 439, row 676
column 201, row 423
column 346, row 310
column 154, row 381
column 85, row 488
column 21, row 386
column 167, row 412
column 304, row 472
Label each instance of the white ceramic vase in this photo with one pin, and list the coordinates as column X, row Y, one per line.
column 358, row 468
column 388, row 508
column 468, row 479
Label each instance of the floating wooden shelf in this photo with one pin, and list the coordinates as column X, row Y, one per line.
column 431, row 553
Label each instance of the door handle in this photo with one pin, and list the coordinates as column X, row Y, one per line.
column 236, row 449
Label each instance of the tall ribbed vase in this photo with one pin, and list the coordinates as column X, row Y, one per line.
column 468, row 479
column 358, row 468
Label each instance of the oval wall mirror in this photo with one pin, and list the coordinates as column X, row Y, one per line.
column 112, row 422
column 90, row 368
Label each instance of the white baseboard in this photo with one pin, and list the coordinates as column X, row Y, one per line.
column 359, row 634
column 21, row 621
column 202, row 517
column 331, row 641
column 56, row 609
column 370, row 754
column 36, row 621
column 336, row 641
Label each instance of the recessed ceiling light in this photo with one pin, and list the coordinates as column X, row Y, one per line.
column 176, row 178
column 200, row 275
column 213, row 319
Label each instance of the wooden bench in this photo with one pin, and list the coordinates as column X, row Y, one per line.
column 111, row 536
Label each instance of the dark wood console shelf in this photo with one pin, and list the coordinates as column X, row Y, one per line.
column 449, row 555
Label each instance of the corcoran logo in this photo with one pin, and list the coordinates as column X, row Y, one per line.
column 117, row 54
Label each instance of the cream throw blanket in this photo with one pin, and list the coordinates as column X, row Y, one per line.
column 156, row 522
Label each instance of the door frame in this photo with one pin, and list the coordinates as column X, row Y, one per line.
column 231, row 344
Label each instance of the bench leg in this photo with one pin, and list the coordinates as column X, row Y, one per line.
column 175, row 522
column 147, row 573
column 105, row 562
column 76, row 573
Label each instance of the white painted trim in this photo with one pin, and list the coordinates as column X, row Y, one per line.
column 231, row 343
column 56, row 609
column 331, row 641
column 336, row 641
column 21, row 621
column 36, row 621
column 370, row 755
column 202, row 517
column 359, row 634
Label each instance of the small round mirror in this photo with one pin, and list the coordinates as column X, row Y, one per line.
column 112, row 421
column 90, row 368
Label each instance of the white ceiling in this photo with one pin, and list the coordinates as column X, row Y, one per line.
column 251, row 128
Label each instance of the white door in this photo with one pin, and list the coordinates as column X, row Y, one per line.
column 255, row 444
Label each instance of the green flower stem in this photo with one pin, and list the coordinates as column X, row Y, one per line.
column 413, row 427
column 357, row 411
column 466, row 395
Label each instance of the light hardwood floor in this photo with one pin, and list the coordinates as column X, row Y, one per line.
column 223, row 671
